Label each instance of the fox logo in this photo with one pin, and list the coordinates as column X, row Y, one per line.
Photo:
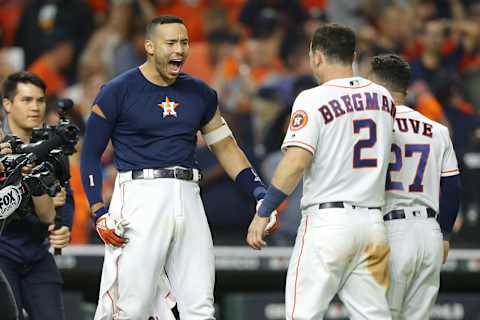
column 10, row 199
column 168, row 107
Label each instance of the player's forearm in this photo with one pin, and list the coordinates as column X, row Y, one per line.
column 286, row 177
column 230, row 156
column 237, row 166
column 290, row 169
column 44, row 208
column 449, row 203
column 96, row 139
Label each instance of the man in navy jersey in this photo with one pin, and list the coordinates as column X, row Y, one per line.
column 156, row 219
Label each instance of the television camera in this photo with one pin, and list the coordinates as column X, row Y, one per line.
column 46, row 155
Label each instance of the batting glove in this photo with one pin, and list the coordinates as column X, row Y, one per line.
column 273, row 222
column 111, row 230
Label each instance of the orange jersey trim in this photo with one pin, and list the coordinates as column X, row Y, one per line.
column 299, row 144
column 297, row 269
column 450, row 170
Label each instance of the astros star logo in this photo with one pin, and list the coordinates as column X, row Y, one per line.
column 168, row 107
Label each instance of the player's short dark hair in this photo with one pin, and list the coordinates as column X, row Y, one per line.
column 163, row 19
column 337, row 42
column 393, row 70
column 10, row 85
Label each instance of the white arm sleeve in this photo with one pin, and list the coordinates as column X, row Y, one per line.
column 218, row 134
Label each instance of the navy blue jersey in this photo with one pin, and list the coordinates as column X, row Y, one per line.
column 155, row 126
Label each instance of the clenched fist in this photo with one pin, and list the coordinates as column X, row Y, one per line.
column 59, row 238
column 60, row 198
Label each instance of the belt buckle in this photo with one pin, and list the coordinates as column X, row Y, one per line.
column 196, row 176
column 188, row 174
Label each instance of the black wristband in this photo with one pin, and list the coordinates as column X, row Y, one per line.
column 249, row 181
column 98, row 213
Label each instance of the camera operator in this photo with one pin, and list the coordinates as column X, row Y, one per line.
column 24, row 257
column 8, row 307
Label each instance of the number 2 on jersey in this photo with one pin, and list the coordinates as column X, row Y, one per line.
column 410, row 150
column 369, row 124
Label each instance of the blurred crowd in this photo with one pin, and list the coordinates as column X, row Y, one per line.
column 255, row 54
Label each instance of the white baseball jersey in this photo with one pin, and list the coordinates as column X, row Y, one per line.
column 347, row 125
column 413, row 177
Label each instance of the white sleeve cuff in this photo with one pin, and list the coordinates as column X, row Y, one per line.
column 296, row 143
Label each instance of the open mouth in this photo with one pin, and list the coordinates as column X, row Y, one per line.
column 175, row 65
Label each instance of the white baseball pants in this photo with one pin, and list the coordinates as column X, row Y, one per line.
column 415, row 261
column 168, row 231
column 342, row 251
